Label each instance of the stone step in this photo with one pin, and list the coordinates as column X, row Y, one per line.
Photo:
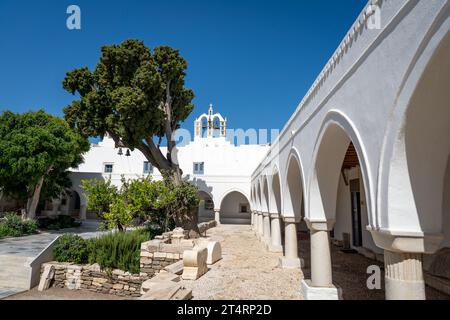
column 235, row 221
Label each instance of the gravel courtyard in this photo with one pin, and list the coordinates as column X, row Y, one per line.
column 249, row 272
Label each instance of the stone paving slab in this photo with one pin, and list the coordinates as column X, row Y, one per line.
column 7, row 292
column 31, row 246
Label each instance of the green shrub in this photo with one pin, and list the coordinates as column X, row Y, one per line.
column 120, row 250
column 57, row 223
column 71, row 248
column 4, row 230
column 12, row 225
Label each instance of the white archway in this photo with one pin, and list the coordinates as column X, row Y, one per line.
column 206, row 207
column 258, row 196
column 275, row 187
column 337, row 133
column 418, row 172
column 235, row 208
column 293, row 195
column 265, row 194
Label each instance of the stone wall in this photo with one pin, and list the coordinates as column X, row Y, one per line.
column 90, row 277
column 168, row 248
column 156, row 254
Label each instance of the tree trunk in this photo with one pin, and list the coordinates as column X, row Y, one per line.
column 192, row 225
column 1, row 203
column 33, row 201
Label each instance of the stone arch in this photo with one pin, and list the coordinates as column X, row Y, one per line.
column 74, row 203
column 203, row 123
column 265, row 194
column 255, row 197
column 293, row 195
column 339, row 197
column 416, row 187
column 206, row 206
column 275, row 191
column 252, row 196
column 336, row 135
column 258, row 196
column 235, row 208
column 216, row 126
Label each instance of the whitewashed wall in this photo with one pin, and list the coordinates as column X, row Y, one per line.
column 227, row 167
column 383, row 89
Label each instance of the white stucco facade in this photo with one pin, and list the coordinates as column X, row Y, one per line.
column 385, row 90
column 365, row 157
column 225, row 177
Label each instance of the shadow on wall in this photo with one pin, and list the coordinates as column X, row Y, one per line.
column 427, row 143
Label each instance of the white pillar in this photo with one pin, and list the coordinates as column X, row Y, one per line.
column 403, row 261
column 321, row 270
column 275, row 234
column 320, row 287
column 251, row 218
column 266, row 222
column 260, row 226
column 404, row 276
column 217, row 216
column 290, row 259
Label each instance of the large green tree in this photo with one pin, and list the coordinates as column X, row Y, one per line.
column 36, row 149
column 136, row 96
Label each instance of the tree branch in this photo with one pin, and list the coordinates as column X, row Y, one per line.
column 157, row 155
column 168, row 123
column 159, row 142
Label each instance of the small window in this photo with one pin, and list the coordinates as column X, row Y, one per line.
column 148, row 167
column 199, row 168
column 108, row 168
column 243, row 208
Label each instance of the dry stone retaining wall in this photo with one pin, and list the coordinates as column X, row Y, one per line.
column 91, row 278
column 156, row 254
column 168, row 248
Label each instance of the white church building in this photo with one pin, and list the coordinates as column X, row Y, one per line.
column 365, row 158
column 364, row 161
column 217, row 166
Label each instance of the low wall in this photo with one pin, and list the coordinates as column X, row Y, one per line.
column 155, row 255
column 45, row 255
column 90, row 277
column 164, row 250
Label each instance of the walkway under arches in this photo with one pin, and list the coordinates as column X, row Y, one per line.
column 235, row 209
column 248, row 272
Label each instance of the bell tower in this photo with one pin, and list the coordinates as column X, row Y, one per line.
column 210, row 125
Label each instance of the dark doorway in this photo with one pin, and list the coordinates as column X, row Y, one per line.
column 356, row 212
column 77, row 200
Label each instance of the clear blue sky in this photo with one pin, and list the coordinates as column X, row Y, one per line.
column 254, row 60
